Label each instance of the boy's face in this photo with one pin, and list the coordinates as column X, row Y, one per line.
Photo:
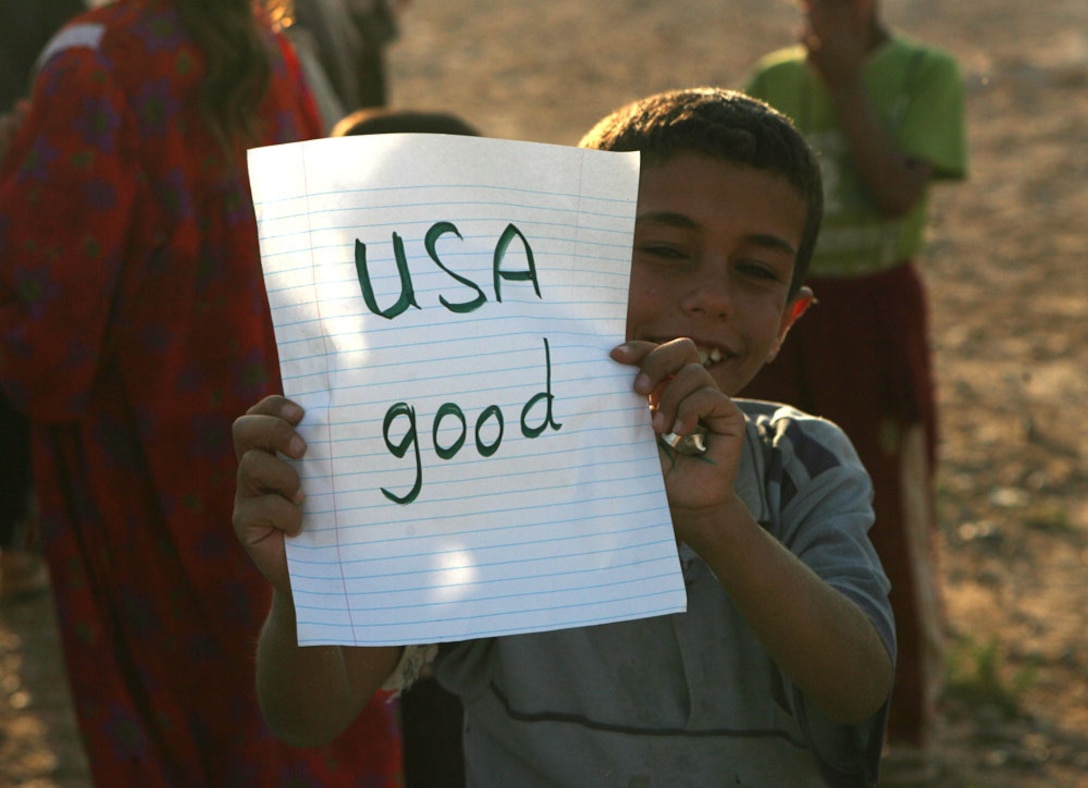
column 860, row 12
column 714, row 251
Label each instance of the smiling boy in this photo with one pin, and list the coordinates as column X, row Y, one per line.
column 779, row 670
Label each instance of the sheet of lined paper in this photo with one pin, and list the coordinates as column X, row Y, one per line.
column 477, row 466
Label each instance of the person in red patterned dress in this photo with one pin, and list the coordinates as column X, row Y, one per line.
column 133, row 328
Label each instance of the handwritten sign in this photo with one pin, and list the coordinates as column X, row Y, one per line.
column 477, row 465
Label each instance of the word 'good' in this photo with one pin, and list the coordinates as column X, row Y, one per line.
column 450, row 410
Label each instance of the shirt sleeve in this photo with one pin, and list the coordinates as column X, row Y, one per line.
column 67, row 196
column 933, row 127
column 826, row 523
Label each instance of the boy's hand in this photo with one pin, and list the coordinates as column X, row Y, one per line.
column 267, row 495
column 682, row 394
column 837, row 43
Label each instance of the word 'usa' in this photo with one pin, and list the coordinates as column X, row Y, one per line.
column 407, row 291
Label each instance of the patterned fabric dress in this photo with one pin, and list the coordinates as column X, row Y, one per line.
column 133, row 330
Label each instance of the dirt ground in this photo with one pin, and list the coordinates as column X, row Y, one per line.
column 1010, row 331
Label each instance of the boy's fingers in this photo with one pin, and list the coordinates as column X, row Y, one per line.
column 714, row 410
column 261, row 525
column 258, row 518
column 260, row 472
column 672, row 376
column 266, row 433
column 277, row 405
column 657, row 363
column 632, row 352
column 681, row 403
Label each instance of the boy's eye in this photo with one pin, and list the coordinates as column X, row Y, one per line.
column 758, row 271
column 663, row 251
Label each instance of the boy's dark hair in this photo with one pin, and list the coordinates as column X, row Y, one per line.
column 721, row 124
column 379, row 120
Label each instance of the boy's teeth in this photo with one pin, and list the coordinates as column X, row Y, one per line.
column 710, row 357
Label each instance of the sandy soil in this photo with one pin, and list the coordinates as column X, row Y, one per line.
column 1010, row 331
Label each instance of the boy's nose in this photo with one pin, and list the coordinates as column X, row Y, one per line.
column 710, row 295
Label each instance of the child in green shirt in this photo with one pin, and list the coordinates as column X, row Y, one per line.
column 885, row 115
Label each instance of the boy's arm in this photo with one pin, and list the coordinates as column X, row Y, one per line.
column 837, row 52
column 819, row 638
column 308, row 695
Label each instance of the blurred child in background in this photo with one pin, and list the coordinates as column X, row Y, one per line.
column 885, row 115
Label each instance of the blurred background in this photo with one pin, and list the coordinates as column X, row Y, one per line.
column 1005, row 270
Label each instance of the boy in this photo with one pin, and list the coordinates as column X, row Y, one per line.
column 886, row 117
column 778, row 672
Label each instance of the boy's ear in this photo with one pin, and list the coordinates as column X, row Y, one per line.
column 790, row 315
